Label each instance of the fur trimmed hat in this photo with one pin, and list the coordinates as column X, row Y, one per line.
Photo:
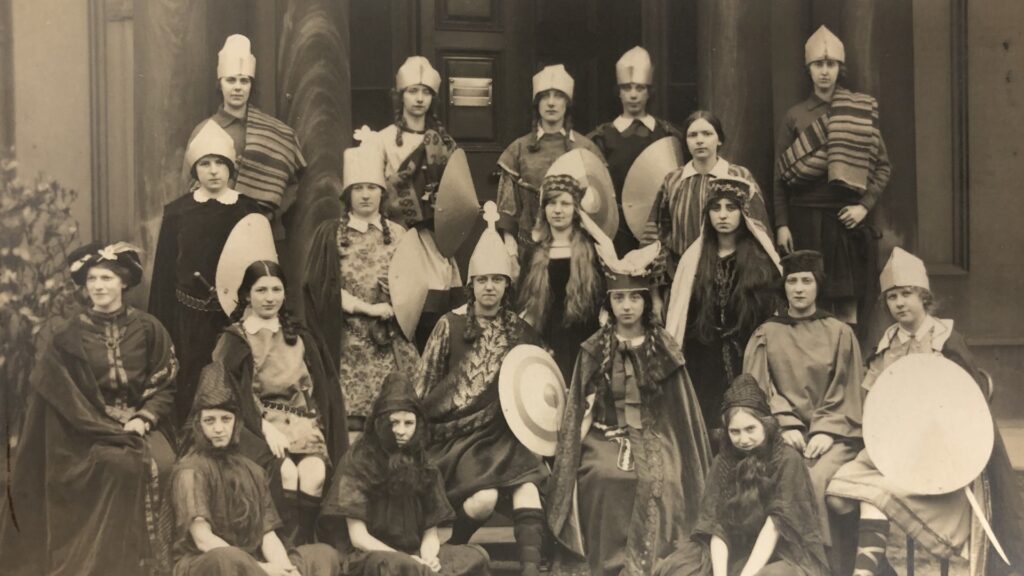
column 803, row 261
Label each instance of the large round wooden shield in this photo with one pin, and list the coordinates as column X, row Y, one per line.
column 591, row 171
column 457, row 207
column 927, row 426
column 406, row 282
column 532, row 396
column 250, row 240
column 644, row 179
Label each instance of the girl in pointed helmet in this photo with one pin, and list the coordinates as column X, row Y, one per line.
column 193, row 232
column 415, row 150
column 346, row 285
column 96, row 449
column 941, row 523
column 457, row 381
column 525, row 161
column 290, row 403
column 725, row 286
column 831, row 168
column 636, row 477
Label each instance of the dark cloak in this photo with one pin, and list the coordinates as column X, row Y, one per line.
column 680, row 432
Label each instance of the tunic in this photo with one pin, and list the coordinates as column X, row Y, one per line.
column 400, row 522
column 522, row 173
column 811, row 211
column 413, row 173
column 192, row 236
column 789, row 502
column 215, row 489
column 621, row 141
column 364, row 274
column 623, row 522
column 678, row 210
column 941, row 524
column 457, row 381
column 810, row 368
column 76, row 472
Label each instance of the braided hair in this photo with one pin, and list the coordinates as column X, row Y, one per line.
column 506, row 315
column 346, row 201
column 651, row 391
column 255, row 271
column 398, row 112
column 534, row 144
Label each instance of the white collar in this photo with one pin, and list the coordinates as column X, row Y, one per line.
column 623, row 122
column 719, row 170
column 563, row 132
column 940, row 329
column 361, row 224
column 253, row 323
column 227, row 197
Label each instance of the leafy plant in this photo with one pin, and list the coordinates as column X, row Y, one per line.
column 36, row 232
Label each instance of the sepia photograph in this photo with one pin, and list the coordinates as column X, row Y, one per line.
column 511, row 287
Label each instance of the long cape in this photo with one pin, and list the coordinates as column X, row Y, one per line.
column 680, row 432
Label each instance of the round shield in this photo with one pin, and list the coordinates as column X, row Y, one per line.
column 457, row 207
column 645, row 178
column 406, row 282
column 532, row 396
column 250, row 240
column 927, row 426
column 591, row 172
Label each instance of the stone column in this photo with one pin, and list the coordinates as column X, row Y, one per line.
column 734, row 63
column 313, row 96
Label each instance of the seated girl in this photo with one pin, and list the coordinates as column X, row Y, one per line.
column 758, row 516
column 225, row 518
column 636, row 477
column 291, row 406
column 941, row 524
column 392, row 500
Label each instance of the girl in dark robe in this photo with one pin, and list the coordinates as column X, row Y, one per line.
column 725, row 286
column 225, row 519
column 193, row 232
column 392, row 500
column 624, row 138
column 86, row 493
column 470, row 442
column 940, row 523
column 758, row 516
column 561, row 284
column 291, row 407
column 638, row 473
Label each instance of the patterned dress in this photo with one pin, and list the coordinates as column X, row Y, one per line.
column 371, row 348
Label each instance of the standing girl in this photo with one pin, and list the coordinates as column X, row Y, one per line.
column 346, row 286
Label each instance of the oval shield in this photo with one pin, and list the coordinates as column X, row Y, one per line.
column 250, row 240
column 532, row 396
column 406, row 282
column 927, row 426
column 457, row 207
column 644, row 179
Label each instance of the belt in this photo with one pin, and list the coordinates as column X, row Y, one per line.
column 281, row 407
column 208, row 304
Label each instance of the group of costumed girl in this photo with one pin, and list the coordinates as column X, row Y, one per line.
column 262, row 431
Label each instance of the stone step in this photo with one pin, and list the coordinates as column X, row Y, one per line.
column 1012, row 430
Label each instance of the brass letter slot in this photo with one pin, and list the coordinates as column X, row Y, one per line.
column 469, row 92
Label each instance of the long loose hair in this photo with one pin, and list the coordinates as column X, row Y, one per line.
column 748, row 476
column 754, row 296
column 586, row 285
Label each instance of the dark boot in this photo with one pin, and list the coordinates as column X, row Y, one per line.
column 309, row 512
column 529, row 532
column 289, row 513
column 464, row 527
